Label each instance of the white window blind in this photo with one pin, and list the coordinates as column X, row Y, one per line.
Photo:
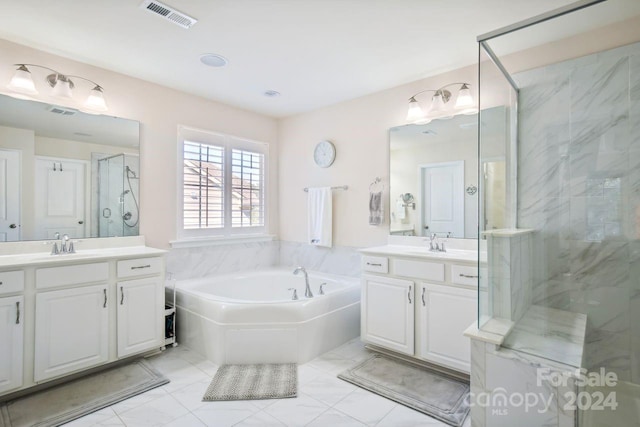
column 203, row 204
column 247, row 200
column 223, row 185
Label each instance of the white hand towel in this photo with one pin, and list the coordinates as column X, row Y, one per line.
column 401, row 210
column 320, row 213
column 376, row 210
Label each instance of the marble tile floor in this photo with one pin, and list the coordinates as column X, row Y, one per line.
column 323, row 400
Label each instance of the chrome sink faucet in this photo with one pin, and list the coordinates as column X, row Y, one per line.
column 66, row 245
column 435, row 245
column 307, row 290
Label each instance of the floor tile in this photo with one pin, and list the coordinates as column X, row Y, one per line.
column 139, row 400
column 306, row 373
column 327, row 389
column 298, row 411
column 188, row 420
column 191, row 396
column 225, row 414
column 332, row 363
column 365, row 407
column 401, row 416
column 333, row 418
column 156, row 412
column 260, row 419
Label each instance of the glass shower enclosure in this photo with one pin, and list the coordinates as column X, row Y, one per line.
column 561, row 283
column 118, row 210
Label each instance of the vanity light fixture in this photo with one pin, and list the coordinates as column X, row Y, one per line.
column 61, row 86
column 440, row 107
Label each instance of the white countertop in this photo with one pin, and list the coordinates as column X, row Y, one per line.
column 38, row 258
column 423, row 252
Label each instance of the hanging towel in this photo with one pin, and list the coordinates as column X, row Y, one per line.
column 376, row 210
column 320, row 213
column 401, row 209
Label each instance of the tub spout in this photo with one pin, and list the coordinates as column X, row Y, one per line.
column 307, row 290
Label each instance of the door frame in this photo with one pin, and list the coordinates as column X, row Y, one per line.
column 20, row 219
column 421, row 206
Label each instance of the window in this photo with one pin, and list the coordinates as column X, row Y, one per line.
column 223, row 185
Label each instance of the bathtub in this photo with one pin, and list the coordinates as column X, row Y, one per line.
column 251, row 317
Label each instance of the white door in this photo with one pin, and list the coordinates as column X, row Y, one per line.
column 11, row 338
column 442, row 339
column 387, row 313
column 140, row 315
column 442, row 189
column 60, row 197
column 71, row 330
column 10, row 183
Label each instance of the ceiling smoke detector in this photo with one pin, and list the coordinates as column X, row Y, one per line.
column 168, row 13
column 213, row 60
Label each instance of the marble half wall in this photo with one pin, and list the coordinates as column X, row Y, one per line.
column 188, row 263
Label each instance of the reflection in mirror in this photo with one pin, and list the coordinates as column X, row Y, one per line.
column 435, row 166
column 68, row 172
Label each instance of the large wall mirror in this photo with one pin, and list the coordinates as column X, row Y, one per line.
column 434, row 176
column 68, row 172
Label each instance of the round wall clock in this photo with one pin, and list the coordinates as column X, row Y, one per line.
column 324, row 154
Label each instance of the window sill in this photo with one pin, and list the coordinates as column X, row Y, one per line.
column 219, row 241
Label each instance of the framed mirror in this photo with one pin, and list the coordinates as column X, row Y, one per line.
column 434, row 176
column 68, row 172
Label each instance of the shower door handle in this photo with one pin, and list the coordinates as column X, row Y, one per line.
column 106, row 213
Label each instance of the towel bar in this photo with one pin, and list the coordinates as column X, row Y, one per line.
column 341, row 187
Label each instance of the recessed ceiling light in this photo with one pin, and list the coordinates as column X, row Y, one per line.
column 213, row 60
column 271, row 93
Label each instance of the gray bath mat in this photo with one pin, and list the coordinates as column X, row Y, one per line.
column 249, row 382
column 66, row 402
column 430, row 392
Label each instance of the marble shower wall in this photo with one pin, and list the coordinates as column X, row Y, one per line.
column 579, row 187
column 187, row 263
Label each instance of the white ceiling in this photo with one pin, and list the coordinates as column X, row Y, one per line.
column 315, row 52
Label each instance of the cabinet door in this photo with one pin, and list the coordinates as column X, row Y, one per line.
column 11, row 338
column 71, row 330
column 140, row 315
column 387, row 313
column 445, row 313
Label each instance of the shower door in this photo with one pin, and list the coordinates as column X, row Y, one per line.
column 110, row 196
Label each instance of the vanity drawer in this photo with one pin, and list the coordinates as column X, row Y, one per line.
column 139, row 267
column 375, row 264
column 464, row 275
column 11, row 281
column 72, row 275
column 419, row 269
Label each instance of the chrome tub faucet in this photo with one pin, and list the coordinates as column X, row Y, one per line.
column 307, row 290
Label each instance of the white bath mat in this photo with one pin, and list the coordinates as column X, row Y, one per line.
column 250, row 382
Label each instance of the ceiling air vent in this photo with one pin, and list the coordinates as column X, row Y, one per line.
column 55, row 109
column 169, row 13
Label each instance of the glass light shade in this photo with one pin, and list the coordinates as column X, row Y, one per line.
column 437, row 105
column 96, row 101
column 415, row 113
column 62, row 89
column 465, row 103
column 22, row 82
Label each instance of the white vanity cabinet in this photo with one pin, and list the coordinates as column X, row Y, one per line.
column 387, row 313
column 11, row 330
column 72, row 330
column 445, row 312
column 11, row 342
column 419, row 305
column 63, row 314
